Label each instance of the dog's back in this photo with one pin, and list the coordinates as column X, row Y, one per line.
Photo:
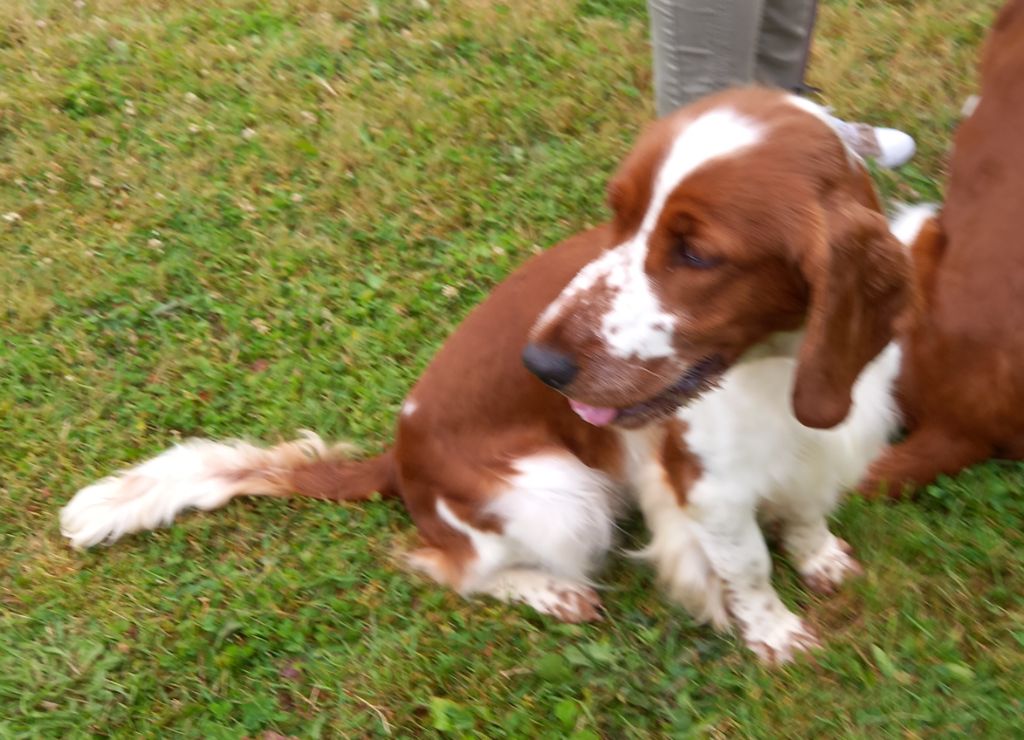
column 962, row 381
column 982, row 217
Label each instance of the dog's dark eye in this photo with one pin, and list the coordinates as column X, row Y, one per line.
column 683, row 254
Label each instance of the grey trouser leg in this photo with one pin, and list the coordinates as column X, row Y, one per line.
column 702, row 46
column 784, row 42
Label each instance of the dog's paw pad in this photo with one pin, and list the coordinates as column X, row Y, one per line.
column 576, row 604
column 782, row 642
column 834, row 563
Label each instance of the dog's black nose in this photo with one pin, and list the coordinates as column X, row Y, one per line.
column 551, row 366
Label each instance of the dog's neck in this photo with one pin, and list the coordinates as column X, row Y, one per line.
column 780, row 344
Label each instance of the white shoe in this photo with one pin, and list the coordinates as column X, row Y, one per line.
column 896, row 147
column 889, row 147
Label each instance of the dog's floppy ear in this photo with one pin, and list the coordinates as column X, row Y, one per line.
column 859, row 279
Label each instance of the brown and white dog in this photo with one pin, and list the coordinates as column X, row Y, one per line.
column 961, row 385
column 745, row 282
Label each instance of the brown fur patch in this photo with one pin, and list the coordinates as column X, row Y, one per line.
column 682, row 467
column 961, row 385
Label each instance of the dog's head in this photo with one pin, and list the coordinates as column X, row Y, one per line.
column 735, row 219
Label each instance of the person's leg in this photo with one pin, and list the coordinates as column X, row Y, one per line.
column 784, row 42
column 701, row 46
column 782, row 51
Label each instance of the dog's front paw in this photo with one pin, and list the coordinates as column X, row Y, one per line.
column 781, row 638
column 830, row 566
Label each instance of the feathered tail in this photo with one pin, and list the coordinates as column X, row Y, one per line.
column 206, row 475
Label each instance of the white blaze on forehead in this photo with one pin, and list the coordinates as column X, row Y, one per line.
column 716, row 134
column 585, row 279
column 635, row 324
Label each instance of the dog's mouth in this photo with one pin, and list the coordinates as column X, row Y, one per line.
column 700, row 377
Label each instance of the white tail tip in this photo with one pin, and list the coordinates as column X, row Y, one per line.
column 195, row 474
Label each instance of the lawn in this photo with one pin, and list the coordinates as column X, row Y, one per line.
column 247, row 217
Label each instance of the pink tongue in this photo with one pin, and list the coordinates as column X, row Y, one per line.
column 599, row 416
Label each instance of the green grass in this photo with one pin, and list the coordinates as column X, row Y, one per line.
column 247, row 217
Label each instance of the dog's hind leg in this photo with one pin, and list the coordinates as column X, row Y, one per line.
column 485, row 568
column 565, row 599
column 929, row 451
column 536, row 541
